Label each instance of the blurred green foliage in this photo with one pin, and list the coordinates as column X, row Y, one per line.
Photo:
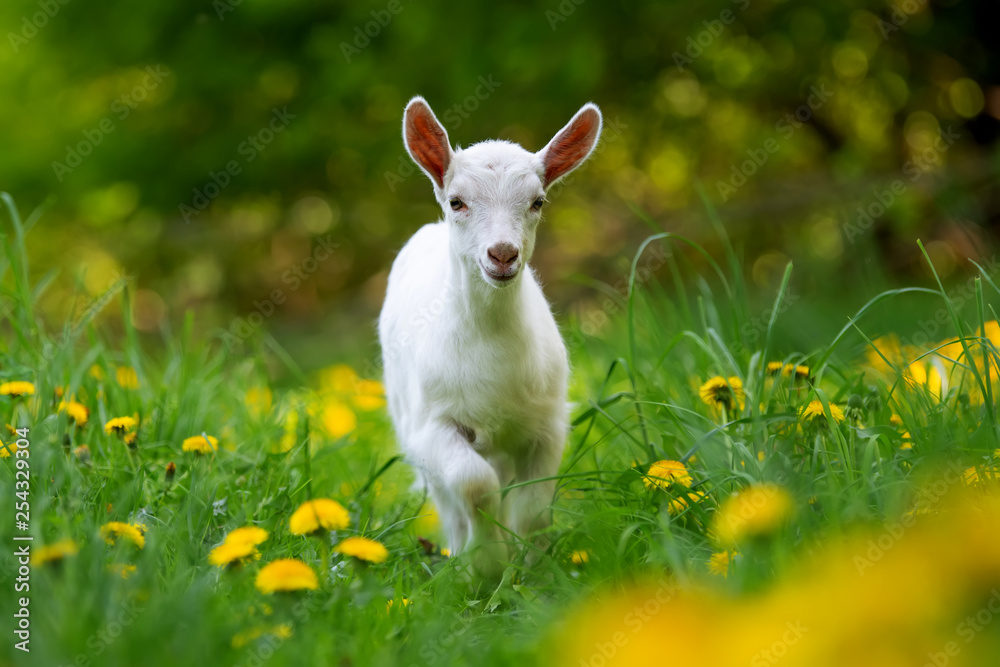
column 121, row 115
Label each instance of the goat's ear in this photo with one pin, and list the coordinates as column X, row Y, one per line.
column 426, row 140
column 572, row 145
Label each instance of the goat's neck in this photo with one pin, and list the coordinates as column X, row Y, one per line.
column 482, row 305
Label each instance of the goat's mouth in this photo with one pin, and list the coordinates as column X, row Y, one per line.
column 502, row 278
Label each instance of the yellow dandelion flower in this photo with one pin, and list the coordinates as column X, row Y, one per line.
column 446, row 552
column 369, row 395
column 16, row 389
column 77, row 412
column 761, row 456
column 82, row 454
column 55, row 552
column 120, row 426
column 364, row 549
column 896, row 420
column 338, row 419
column 114, row 530
column 980, row 477
column 775, row 367
column 757, row 510
column 258, row 399
column 7, row 449
column 251, row 535
column 580, row 557
column 720, row 392
column 809, row 413
column 321, row 513
column 232, row 553
column 720, row 562
column 127, row 377
column 200, row 444
column 286, row 574
column 96, row 372
column 663, row 474
column 405, row 602
column 340, row 378
column 800, row 372
column 123, row 570
column 680, row 503
column 241, row 639
column 131, row 439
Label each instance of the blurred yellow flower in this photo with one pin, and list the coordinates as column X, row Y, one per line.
column 338, row 419
column 321, row 513
column 809, row 413
column 580, row 557
column 720, row 562
column 286, row 574
column 96, row 372
column 127, row 377
column 364, row 549
column 258, row 400
column 896, row 420
column 200, row 444
column 340, row 378
column 120, row 426
column 54, row 552
column 77, row 412
column 241, row 639
column 16, row 389
column 774, row 367
column 663, row 474
column 405, row 602
column 232, row 553
column 683, row 500
column 123, row 570
column 7, row 449
column 720, row 392
column 369, row 395
column 757, row 510
column 113, row 530
column 445, row 552
column 251, row 535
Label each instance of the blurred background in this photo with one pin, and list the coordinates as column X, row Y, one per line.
column 242, row 160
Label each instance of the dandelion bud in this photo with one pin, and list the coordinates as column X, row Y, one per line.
column 171, row 471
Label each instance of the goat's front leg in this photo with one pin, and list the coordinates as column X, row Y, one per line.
column 466, row 490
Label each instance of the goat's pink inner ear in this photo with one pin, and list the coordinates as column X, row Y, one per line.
column 572, row 145
column 427, row 141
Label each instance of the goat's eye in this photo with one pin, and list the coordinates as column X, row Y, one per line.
column 537, row 205
column 456, row 204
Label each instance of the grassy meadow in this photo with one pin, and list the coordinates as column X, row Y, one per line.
column 744, row 483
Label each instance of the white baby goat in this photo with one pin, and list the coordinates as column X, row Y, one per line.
column 475, row 368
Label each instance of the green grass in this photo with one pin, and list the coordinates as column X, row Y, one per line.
column 636, row 393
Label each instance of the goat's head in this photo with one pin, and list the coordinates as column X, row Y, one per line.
column 492, row 192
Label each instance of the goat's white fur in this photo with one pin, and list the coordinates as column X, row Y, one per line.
column 475, row 368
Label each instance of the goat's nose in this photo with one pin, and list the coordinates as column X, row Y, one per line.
column 503, row 254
